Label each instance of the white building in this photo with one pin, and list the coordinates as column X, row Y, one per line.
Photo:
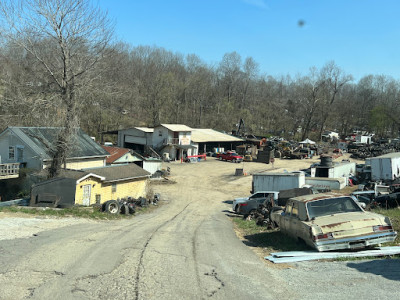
column 176, row 141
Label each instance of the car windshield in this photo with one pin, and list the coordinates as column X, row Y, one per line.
column 330, row 206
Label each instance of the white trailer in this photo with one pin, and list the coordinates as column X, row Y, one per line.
column 266, row 181
column 385, row 167
column 342, row 169
column 364, row 139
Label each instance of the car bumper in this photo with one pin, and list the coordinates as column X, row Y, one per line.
column 356, row 242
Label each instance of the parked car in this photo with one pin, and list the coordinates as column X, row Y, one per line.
column 241, row 205
column 332, row 221
column 230, row 156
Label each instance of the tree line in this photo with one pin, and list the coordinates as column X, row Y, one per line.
column 48, row 76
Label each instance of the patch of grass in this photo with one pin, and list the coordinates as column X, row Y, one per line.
column 268, row 239
column 77, row 212
column 394, row 215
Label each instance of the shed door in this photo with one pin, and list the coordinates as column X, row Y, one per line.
column 86, row 194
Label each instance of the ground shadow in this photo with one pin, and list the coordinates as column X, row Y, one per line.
column 274, row 239
column 228, row 201
column 388, row 268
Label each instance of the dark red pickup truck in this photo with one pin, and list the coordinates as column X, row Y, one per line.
column 230, row 156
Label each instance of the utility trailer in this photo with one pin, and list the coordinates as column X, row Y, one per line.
column 385, row 167
column 267, row 181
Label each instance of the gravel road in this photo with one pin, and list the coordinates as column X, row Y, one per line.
column 185, row 249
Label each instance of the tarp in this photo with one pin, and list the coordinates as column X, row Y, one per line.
column 307, row 141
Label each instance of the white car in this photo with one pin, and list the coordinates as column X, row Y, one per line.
column 258, row 195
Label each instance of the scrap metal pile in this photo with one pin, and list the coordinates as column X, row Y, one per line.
column 363, row 151
column 292, row 150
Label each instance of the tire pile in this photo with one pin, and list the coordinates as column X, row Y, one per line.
column 127, row 206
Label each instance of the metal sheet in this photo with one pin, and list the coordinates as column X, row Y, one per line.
column 297, row 256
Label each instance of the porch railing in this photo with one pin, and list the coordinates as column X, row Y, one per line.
column 9, row 170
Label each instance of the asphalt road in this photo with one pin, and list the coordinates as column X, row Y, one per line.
column 185, row 249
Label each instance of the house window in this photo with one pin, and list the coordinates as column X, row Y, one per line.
column 159, row 133
column 11, row 153
column 114, row 188
column 98, row 198
column 20, row 153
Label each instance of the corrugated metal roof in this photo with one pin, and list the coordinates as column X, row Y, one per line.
column 145, row 129
column 42, row 141
column 177, row 127
column 64, row 173
column 211, row 135
column 115, row 153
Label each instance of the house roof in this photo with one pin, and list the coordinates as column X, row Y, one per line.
column 119, row 172
column 42, row 141
column 177, row 127
column 107, row 174
column 211, row 135
column 115, row 153
column 145, row 129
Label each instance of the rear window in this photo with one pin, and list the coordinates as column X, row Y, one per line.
column 331, row 206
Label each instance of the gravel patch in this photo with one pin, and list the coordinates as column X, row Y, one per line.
column 12, row 227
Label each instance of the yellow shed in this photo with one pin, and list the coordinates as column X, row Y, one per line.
column 92, row 186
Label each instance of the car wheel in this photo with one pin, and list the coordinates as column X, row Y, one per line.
column 234, row 160
column 112, row 207
column 220, row 158
column 125, row 209
column 237, row 209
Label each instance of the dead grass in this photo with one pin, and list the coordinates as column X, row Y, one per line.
column 77, row 212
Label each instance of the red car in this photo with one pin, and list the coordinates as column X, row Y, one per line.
column 230, row 156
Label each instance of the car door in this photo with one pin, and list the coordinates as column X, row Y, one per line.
column 295, row 223
column 259, row 198
column 286, row 218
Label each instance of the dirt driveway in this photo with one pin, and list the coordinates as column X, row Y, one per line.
column 186, row 249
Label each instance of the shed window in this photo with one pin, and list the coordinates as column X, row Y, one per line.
column 114, row 188
column 98, row 198
column 11, row 153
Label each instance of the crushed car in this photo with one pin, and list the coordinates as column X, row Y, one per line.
column 332, row 221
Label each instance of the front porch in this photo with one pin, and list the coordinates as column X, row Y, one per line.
column 10, row 170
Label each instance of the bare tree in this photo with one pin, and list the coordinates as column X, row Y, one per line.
column 333, row 80
column 77, row 34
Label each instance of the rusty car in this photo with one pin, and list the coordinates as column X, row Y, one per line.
column 332, row 221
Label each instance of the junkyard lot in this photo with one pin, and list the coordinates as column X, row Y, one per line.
column 186, row 249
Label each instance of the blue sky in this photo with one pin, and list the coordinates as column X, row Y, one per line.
column 361, row 36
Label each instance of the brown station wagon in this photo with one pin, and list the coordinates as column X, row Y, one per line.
column 332, row 221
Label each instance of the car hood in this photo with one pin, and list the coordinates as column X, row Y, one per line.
column 240, row 200
column 349, row 224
